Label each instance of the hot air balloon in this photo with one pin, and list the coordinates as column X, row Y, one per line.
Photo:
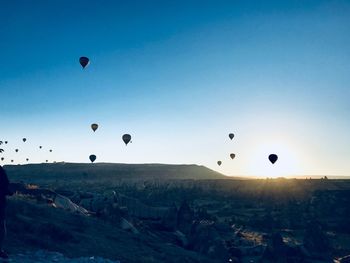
column 11, row 161
column 27, row 159
column 219, row 163
column 5, row 142
column 94, row 126
column 0, row 142
column 126, row 138
column 24, row 139
column 92, row 158
column 40, row 147
column 1, row 150
column 47, row 161
column 273, row 158
column 84, row 61
column 232, row 155
column 231, row 135
column 2, row 158
column 50, row 151
column 16, row 150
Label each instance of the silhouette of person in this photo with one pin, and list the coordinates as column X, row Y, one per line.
column 4, row 191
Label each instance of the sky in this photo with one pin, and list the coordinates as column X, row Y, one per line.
column 178, row 76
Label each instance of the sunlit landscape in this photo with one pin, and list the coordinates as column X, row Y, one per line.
column 174, row 131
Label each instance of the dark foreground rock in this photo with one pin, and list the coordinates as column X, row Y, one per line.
column 42, row 256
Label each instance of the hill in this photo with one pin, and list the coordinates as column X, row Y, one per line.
column 44, row 173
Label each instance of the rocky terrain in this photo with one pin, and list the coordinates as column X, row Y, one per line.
column 42, row 256
column 179, row 220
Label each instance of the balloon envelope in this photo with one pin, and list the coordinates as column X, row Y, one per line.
column 219, row 163
column 232, row 155
column 273, row 158
column 24, row 139
column 16, row 150
column 126, row 138
column 27, row 159
column 84, row 61
column 2, row 158
column 40, row 147
column 92, row 158
column 50, row 151
column 231, row 135
column 5, row 142
column 94, row 126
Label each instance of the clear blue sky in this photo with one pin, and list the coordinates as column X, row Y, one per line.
column 178, row 76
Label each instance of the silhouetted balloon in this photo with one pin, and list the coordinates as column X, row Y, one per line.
column 50, row 151
column 27, row 159
column 92, row 158
column 5, row 142
column 231, row 135
column 84, row 61
column 24, row 139
column 219, row 163
column 11, row 161
column 232, row 155
column 47, row 161
column 0, row 142
column 2, row 158
column 273, row 158
column 1, row 150
column 40, row 147
column 94, row 126
column 16, row 150
column 126, row 138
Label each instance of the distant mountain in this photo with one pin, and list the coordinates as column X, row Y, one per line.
column 108, row 171
column 338, row 177
column 332, row 177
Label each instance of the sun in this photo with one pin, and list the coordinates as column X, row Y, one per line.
column 287, row 164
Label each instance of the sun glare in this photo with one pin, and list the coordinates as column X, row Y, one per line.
column 287, row 164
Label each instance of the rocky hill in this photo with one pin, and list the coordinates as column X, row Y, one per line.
column 41, row 173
